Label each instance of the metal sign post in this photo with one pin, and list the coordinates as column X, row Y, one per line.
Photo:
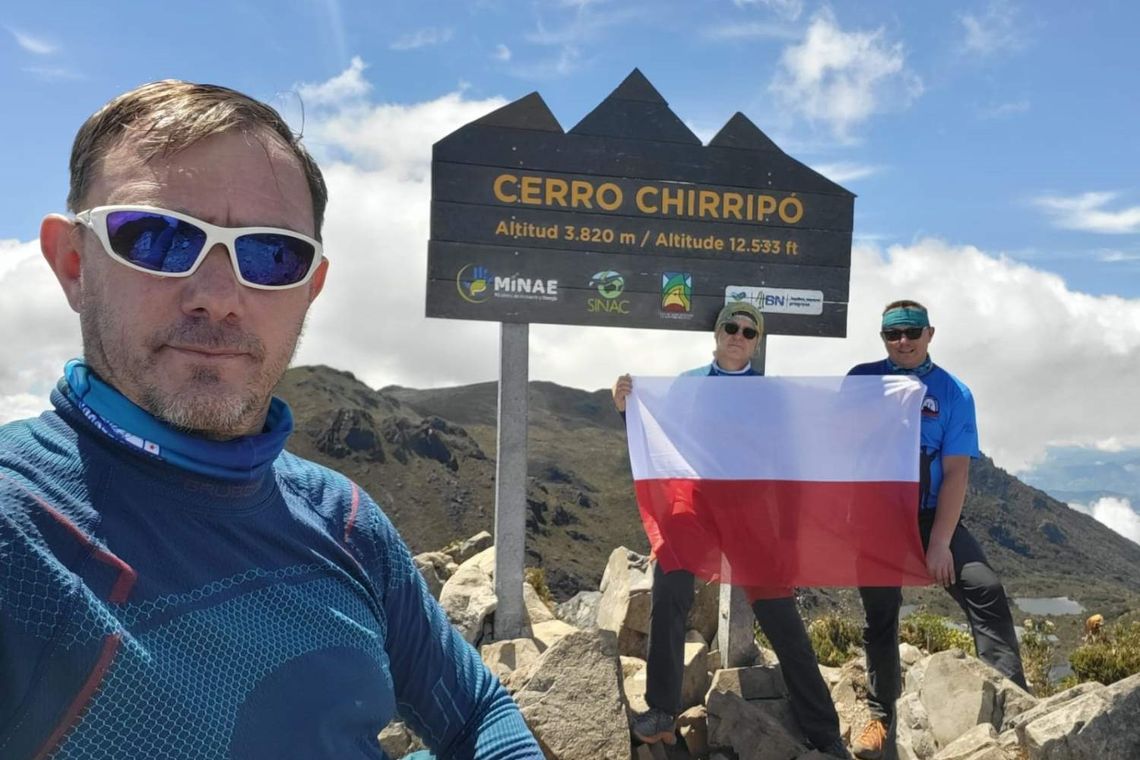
column 510, row 480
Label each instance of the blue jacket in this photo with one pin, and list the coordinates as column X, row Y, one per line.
column 147, row 611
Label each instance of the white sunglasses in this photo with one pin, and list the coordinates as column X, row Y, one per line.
column 170, row 244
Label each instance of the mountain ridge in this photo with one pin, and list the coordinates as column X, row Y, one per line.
column 427, row 456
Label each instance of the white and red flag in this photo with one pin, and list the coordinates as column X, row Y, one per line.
column 780, row 481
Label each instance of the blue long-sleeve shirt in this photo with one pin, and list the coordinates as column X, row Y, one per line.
column 148, row 611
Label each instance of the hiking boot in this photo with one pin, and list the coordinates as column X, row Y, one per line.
column 871, row 742
column 654, row 726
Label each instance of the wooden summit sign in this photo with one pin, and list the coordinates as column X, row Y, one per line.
column 627, row 220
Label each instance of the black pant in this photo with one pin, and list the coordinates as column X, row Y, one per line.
column 781, row 623
column 976, row 589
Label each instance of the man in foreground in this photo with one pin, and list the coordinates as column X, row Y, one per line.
column 738, row 330
column 174, row 583
column 949, row 440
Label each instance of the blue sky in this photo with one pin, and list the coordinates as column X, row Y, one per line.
column 992, row 146
column 1012, row 123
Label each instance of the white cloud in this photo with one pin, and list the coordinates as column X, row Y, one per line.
column 32, row 44
column 20, row 406
column 39, row 330
column 502, row 53
column 1087, row 212
column 422, row 38
column 1117, row 257
column 997, row 30
column 1047, row 365
column 1115, row 513
column 843, row 78
column 350, row 84
column 846, row 171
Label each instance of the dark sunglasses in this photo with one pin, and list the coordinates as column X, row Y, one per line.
column 731, row 328
column 170, row 244
column 911, row 333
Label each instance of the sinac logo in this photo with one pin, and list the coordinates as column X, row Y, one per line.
column 609, row 284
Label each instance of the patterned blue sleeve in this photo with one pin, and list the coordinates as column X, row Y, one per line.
column 443, row 690
column 960, row 435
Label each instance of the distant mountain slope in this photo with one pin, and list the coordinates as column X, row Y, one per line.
column 428, row 457
column 1084, row 475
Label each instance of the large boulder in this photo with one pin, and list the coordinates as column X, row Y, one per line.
column 751, row 729
column 548, row 633
column 705, row 612
column 468, row 596
column 580, row 610
column 625, row 603
column 912, row 729
column 747, row 706
column 960, row 692
column 436, row 568
column 468, row 548
column 693, row 726
column 849, row 704
column 571, row 699
column 1050, row 704
column 979, row 743
column 504, row 657
column 536, row 609
column 1104, row 723
column 695, row 676
column 755, row 682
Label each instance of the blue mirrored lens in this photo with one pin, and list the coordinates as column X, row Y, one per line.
column 153, row 241
column 268, row 259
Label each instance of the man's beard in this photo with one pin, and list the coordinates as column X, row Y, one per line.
column 200, row 405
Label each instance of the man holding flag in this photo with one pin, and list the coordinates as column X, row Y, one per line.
column 949, row 440
column 738, row 330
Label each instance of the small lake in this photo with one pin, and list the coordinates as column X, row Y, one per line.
column 1048, row 605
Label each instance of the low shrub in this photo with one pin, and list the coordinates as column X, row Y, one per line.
column 932, row 633
column 536, row 577
column 1111, row 654
column 835, row 639
column 1037, row 653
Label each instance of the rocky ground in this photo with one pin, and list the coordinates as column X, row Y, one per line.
column 579, row 673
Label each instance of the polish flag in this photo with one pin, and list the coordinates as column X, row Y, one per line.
column 780, row 481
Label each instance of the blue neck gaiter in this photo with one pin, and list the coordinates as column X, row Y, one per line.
column 117, row 417
column 919, row 371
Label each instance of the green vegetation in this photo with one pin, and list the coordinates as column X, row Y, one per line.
column 759, row 637
column 1109, row 654
column 834, row 639
column 536, row 577
column 1037, row 653
column 932, row 633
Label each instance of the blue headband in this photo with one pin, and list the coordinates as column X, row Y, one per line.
column 904, row 315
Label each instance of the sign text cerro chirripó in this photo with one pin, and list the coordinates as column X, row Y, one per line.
column 628, row 220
